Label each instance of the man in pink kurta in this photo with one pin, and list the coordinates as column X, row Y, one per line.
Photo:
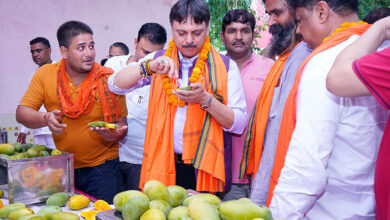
column 237, row 35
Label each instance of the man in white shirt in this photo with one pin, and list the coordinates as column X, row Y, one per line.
column 176, row 143
column 40, row 52
column 328, row 171
column 151, row 37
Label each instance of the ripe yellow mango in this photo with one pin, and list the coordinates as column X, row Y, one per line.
column 209, row 198
column 8, row 149
column 162, row 205
column 121, row 198
column 179, row 213
column 199, row 209
column 14, row 215
column 178, row 195
column 64, row 216
column 77, row 202
column 6, row 210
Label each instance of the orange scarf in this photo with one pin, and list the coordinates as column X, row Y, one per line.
column 253, row 146
column 289, row 113
column 96, row 79
column 202, row 137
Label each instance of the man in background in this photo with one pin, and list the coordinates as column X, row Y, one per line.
column 151, row 37
column 237, row 35
column 40, row 52
column 118, row 49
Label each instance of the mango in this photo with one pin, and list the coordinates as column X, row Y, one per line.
column 153, row 214
column 30, row 217
column 96, row 124
column 162, row 205
column 209, row 198
column 179, row 213
column 47, row 211
column 178, row 195
column 186, row 88
column 156, row 190
column 8, row 149
column 121, row 198
column 43, row 153
column 199, row 209
column 135, row 207
column 20, row 156
column 55, row 152
column 64, row 216
column 26, row 147
column 77, row 202
column 14, row 215
column 38, row 147
column 1, row 193
column 32, row 153
column 243, row 209
column 6, row 210
column 57, row 199
column 18, row 147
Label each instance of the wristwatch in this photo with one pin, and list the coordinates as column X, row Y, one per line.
column 206, row 105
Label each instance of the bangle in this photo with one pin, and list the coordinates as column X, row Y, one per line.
column 145, row 69
column 45, row 117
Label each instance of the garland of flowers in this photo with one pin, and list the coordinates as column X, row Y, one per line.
column 344, row 26
column 198, row 71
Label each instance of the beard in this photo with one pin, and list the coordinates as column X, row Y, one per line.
column 281, row 37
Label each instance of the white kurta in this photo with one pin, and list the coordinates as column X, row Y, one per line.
column 329, row 167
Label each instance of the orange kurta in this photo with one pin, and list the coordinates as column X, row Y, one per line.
column 88, row 147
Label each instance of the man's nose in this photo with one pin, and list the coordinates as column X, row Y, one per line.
column 189, row 39
column 271, row 20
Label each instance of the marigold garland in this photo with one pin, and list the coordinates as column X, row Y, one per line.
column 344, row 26
column 195, row 75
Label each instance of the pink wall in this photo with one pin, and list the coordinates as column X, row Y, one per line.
column 23, row 20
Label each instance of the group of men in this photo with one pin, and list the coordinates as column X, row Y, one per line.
column 240, row 125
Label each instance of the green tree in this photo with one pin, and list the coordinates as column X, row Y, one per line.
column 365, row 6
column 218, row 9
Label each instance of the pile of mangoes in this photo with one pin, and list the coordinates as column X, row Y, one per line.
column 52, row 210
column 17, row 151
column 159, row 202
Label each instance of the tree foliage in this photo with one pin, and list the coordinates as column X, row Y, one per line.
column 365, row 6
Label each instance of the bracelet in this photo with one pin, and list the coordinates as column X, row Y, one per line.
column 45, row 117
column 145, row 69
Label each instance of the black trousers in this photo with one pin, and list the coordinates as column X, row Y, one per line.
column 185, row 174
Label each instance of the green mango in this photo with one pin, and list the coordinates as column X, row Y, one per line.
column 27, row 146
column 160, row 204
column 32, row 153
column 153, row 214
column 243, row 209
column 20, row 156
column 6, row 210
column 14, row 215
column 121, row 198
column 95, row 124
column 178, row 195
column 179, row 213
column 209, row 198
column 64, row 216
column 8, row 149
column 30, row 217
column 199, row 209
column 18, row 147
column 57, row 199
column 156, row 190
column 43, row 153
column 38, row 147
column 47, row 211
column 135, row 207
column 186, row 88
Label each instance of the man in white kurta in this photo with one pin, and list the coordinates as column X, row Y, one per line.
column 329, row 168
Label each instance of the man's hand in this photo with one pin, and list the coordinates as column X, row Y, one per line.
column 111, row 135
column 164, row 65
column 196, row 95
column 54, row 120
column 22, row 138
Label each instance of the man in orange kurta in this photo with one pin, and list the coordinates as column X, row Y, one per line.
column 75, row 92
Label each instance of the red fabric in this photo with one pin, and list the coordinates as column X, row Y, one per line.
column 374, row 71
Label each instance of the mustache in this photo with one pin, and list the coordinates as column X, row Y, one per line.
column 238, row 42
column 275, row 29
column 189, row 46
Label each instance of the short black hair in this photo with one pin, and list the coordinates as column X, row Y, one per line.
column 376, row 14
column 70, row 29
column 121, row 45
column 342, row 7
column 196, row 9
column 239, row 15
column 42, row 40
column 154, row 32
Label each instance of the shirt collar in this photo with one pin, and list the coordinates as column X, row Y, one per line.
column 188, row 61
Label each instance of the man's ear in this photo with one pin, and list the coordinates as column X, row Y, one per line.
column 222, row 37
column 64, row 52
column 135, row 43
column 322, row 11
column 49, row 51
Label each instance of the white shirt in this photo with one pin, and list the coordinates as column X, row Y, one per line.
column 235, row 100
column 329, row 167
column 37, row 131
column 131, row 147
